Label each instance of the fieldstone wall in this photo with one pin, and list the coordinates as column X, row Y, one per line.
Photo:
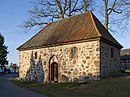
column 30, row 68
column 80, row 61
column 110, row 64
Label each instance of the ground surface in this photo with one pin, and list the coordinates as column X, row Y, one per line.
column 8, row 89
column 111, row 87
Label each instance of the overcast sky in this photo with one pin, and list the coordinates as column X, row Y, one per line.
column 13, row 13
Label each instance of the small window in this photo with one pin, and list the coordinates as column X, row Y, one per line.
column 74, row 52
column 35, row 55
column 112, row 53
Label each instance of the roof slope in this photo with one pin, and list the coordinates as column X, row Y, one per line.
column 76, row 28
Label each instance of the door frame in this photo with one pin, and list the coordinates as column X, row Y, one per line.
column 53, row 60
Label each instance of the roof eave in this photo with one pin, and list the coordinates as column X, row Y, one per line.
column 111, row 43
column 59, row 44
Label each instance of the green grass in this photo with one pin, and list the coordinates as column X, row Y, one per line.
column 127, row 71
column 112, row 87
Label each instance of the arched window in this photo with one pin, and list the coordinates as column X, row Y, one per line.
column 74, row 52
column 35, row 55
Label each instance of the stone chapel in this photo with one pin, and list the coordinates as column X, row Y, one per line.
column 78, row 48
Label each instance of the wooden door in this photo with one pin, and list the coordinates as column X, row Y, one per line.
column 54, row 72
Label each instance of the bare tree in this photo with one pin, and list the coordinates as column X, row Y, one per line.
column 46, row 11
column 116, row 12
column 108, row 11
column 121, row 8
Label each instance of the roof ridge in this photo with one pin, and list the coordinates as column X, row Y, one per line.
column 62, row 19
column 94, row 24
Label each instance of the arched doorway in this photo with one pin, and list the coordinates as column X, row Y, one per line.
column 54, row 72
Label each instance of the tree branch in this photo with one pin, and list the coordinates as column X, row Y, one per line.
column 111, row 9
column 45, row 11
column 60, row 8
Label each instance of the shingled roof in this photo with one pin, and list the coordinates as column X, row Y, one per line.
column 82, row 27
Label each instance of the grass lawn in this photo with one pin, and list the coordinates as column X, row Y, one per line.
column 112, row 87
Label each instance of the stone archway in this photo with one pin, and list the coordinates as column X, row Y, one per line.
column 53, row 69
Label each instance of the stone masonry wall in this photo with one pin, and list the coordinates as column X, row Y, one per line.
column 80, row 61
column 110, row 66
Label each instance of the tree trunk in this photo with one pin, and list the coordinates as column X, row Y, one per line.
column 106, row 14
